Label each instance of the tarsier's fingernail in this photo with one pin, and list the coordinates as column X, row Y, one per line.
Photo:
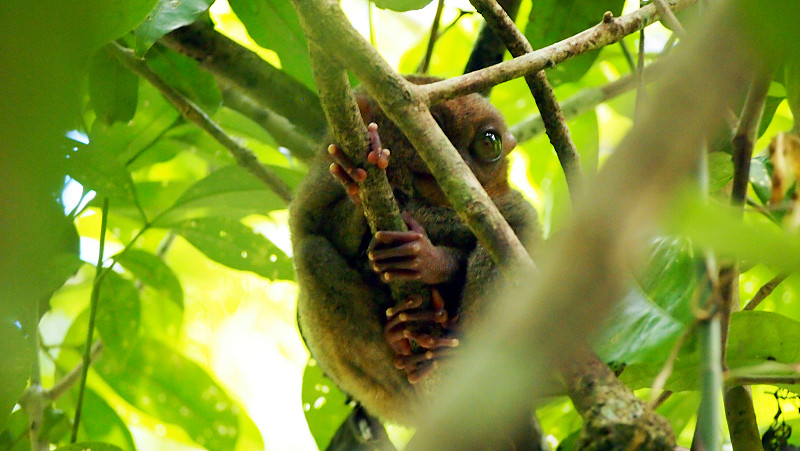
column 389, row 312
column 429, row 355
column 407, row 333
column 331, row 149
column 455, row 342
column 387, row 152
column 403, row 317
column 372, row 126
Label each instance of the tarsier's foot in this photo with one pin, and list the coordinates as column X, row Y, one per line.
column 402, row 327
column 347, row 173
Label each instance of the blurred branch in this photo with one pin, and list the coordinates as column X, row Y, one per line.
column 277, row 126
column 244, row 156
column 259, row 80
column 668, row 17
column 609, row 31
column 69, row 379
column 542, row 92
column 583, row 270
column 764, row 291
column 584, row 101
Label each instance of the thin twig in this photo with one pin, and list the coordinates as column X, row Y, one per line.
column 764, row 291
column 626, row 52
column 584, row 101
column 69, row 379
column 244, row 156
column 663, row 375
column 763, row 380
column 95, row 297
column 423, row 66
column 607, row 32
column 542, row 92
column 641, row 93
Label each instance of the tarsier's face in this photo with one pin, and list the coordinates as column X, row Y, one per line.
column 475, row 128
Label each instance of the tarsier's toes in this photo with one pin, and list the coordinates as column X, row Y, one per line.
column 377, row 155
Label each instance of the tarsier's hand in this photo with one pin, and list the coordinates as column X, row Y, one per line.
column 349, row 174
column 411, row 256
column 402, row 326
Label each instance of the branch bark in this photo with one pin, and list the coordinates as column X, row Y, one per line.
column 269, row 86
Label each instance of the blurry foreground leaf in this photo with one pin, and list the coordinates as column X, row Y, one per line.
column 324, row 405
column 165, row 17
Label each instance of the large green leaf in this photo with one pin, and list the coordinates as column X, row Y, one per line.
column 792, row 83
column 325, row 406
column 126, row 141
column 229, row 192
column 401, row 5
column 237, row 246
column 118, row 312
column 152, row 270
column 99, row 170
column 14, row 435
column 184, row 74
column 112, row 88
column 669, row 277
column 637, row 331
column 17, row 349
column 161, row 382
column 776, row 342
column 167, row 15
column 273, row 24
column 551, row 21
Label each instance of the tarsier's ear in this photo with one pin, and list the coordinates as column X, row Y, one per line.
column 509, row 142
column 365, row 107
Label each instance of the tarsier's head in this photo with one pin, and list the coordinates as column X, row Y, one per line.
column 475, row 128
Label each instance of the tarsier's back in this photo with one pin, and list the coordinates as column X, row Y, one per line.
column 342, row 302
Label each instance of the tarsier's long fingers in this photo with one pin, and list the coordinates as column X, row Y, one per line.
column 418, row 366
column 347, row 173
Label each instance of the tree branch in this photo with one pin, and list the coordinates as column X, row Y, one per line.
column 584, row 101
column 270, row 87
column 764, row 291
column 244, row 156
column 277, row 126
column 542, row 92
column 607, row 32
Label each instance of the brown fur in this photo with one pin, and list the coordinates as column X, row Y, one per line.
column 342, row 304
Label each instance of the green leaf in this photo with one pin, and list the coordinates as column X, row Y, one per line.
column 237, row 246
column 112, row 88
column 720, row 170
column 15, row 436
column 325, row 406
column 401, row 5
column 273, row 24
column 760, row 178
column 637, row 331
column 55, row 424
column 161, row 382
column 777, row 341
column 90, row 446
column 184, row 74
column 152, row 270
column 670, row 277
column 770, row 107
column 100, row 423
column 792, row 83
column 551, row 21
column 166, row 16
column 97, row 169
column 118, row 312
column 109, row 21
column 230, row 192
column 712, row 225
column 126, row 141
column 17, row 329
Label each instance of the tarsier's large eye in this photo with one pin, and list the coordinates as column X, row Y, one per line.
column 487, row 147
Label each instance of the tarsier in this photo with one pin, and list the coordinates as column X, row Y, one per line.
column 358, row 334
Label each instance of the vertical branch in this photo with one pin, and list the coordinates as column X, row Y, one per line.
column 555, row 124
column 738, row 400
column 641, row 93
column 423, row 67
column 95, row 296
